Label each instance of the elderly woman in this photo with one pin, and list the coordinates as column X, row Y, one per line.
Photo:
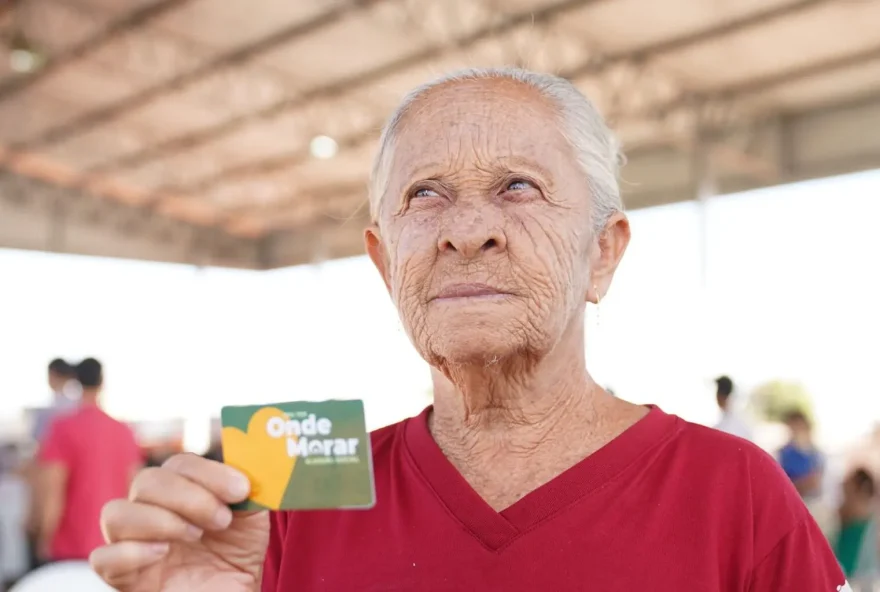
column 497, row 217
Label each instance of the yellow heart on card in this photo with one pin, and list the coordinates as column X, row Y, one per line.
column 261, row 457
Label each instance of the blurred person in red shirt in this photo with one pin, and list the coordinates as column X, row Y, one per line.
column 86, row 459
column 65, row 394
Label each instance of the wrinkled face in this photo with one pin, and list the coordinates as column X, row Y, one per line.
column 483, row 235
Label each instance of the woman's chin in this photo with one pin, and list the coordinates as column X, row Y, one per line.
column 476, row 334
column 471, row 345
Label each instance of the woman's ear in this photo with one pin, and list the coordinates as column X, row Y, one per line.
column 376, row 251
column 609, row 248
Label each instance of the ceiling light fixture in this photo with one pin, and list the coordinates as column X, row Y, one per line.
column 323, row 147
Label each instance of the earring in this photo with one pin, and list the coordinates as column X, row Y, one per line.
column 598, row 299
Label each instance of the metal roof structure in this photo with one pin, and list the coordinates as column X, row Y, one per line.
column 231, row 133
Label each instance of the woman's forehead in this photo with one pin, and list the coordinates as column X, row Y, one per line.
column 460, row 122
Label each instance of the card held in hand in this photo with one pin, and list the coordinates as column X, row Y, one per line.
column 301, row 455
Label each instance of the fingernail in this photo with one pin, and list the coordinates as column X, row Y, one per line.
column 193, row 533
column 157, row 549
column 239, row 487
column 223, row 518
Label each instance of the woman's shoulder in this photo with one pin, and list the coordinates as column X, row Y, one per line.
column 381, row 439
column 728, row 451
column 734, row 475
column 387, row 442
column 748, row 470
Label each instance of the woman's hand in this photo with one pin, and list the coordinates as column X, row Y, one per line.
column 175, row 533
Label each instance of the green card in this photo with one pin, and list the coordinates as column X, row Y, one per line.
column 301, row 455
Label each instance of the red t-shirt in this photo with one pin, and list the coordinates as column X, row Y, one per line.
column 99, row 454
column 667, row 506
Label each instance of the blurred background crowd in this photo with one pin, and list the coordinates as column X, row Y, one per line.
column 182, row 196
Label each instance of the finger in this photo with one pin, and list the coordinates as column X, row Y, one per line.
column 228, row 484
column 118, row 564
column 124, row 520
column 188, row 499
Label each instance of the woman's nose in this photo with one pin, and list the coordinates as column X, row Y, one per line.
column 472, row 238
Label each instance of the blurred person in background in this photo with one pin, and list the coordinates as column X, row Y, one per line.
column 804, row 464
column 855, row 542
column 65, row 391
column 14, row 505
column 86, row 459
column 731, row 422
column 800, row 457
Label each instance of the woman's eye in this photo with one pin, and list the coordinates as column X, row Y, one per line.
column 519, row 185
column 424, row 192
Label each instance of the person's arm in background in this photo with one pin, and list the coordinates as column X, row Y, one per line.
column 30, row 474
column 809, row 484
column 31, row 470
column 806, row 477
column 54, row 462
column 53, row 478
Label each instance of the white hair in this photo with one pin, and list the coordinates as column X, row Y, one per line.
column 595, row 145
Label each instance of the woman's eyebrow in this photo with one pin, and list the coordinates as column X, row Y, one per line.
column 422, row 171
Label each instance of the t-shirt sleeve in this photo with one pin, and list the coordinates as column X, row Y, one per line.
column 801, row 562
column 55, row 447
column 272, row 565
column 790, row 552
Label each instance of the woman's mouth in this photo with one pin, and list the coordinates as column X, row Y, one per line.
column 469, row 291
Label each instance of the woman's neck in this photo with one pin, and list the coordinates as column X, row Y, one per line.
column 512, row 426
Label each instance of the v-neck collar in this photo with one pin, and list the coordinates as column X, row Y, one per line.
column 497, row 529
